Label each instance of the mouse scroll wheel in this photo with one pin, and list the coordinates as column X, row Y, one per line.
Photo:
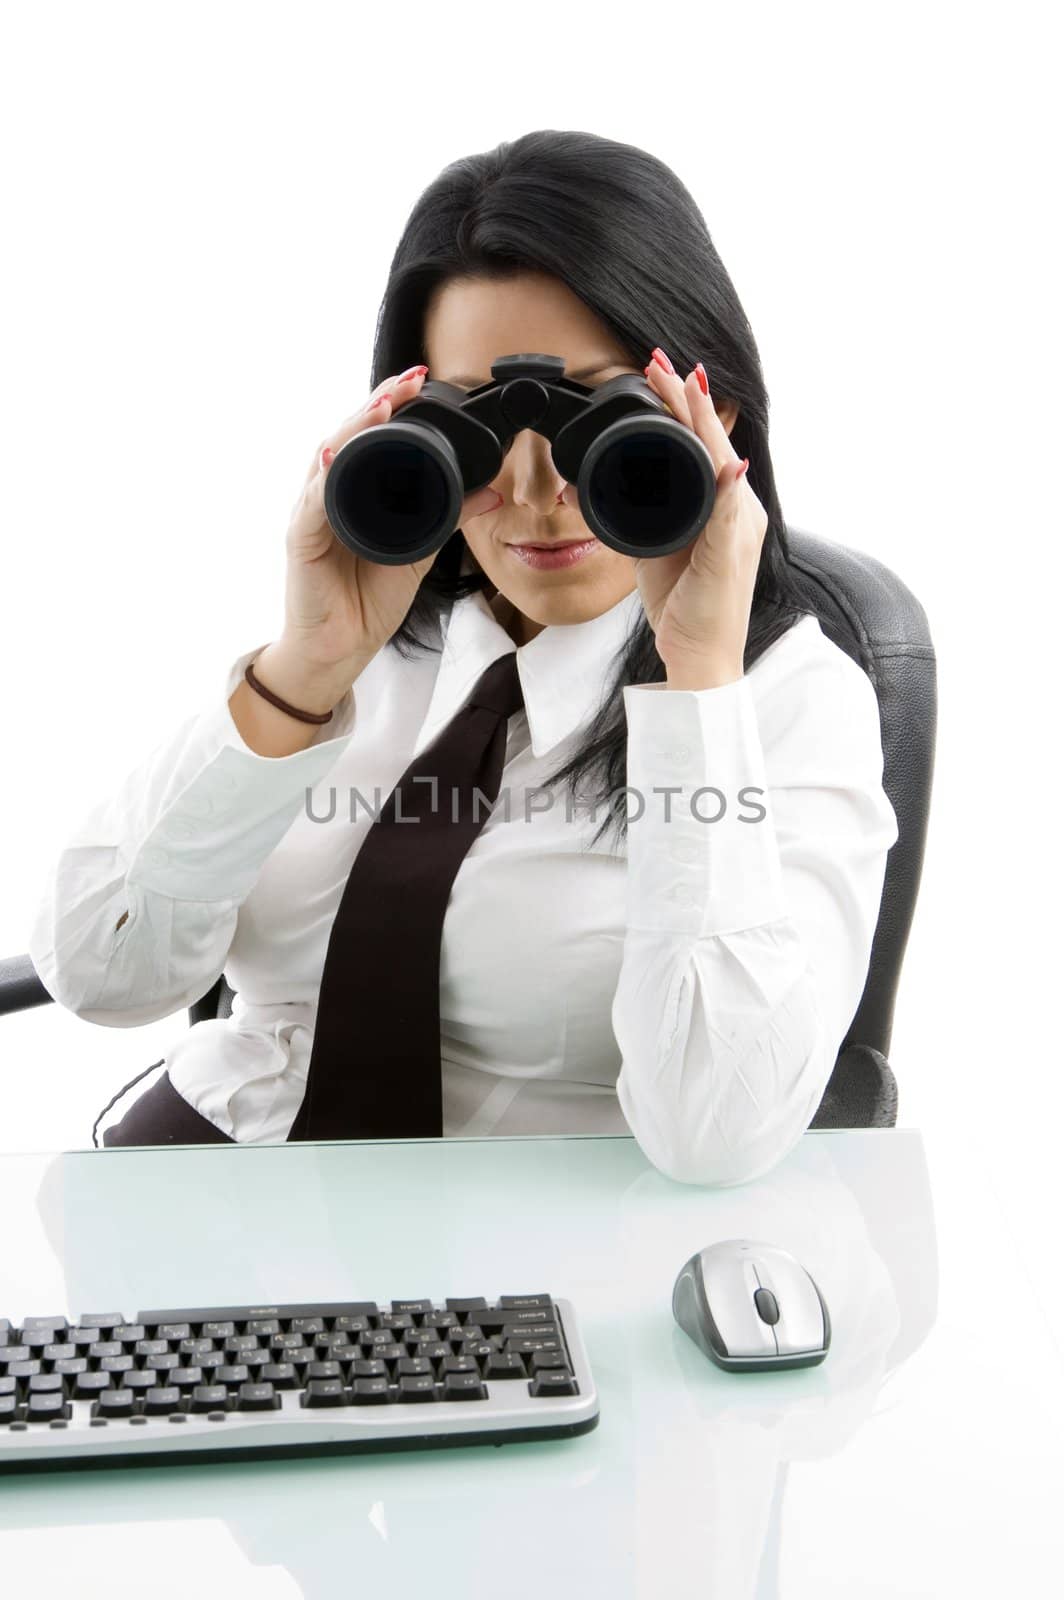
column 767, row 1307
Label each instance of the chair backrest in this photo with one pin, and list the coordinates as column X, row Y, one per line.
column 882, row 625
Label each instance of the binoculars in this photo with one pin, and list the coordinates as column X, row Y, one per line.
column 646, row 483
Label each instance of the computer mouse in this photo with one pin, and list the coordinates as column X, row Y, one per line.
column 751, row 1307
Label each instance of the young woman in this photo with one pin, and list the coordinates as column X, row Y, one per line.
column 685, row 971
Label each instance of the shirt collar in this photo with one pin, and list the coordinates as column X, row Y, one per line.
column 563, row 671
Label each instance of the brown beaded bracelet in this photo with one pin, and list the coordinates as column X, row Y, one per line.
column 282, row 705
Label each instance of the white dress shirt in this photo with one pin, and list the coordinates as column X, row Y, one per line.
column 691, row 989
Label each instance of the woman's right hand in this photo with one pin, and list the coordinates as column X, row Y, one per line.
column 341, row 608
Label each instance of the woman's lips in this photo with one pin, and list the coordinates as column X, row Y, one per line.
column 545, row 558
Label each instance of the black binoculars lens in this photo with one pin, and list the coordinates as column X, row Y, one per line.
column 398, row 490
column 640, row 485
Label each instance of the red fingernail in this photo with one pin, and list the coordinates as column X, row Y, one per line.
column 700, row 374
column 662, row 359
column 328, row 457
column 741, row 471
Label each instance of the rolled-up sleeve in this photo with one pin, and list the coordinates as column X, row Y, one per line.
column 140, row 906
column 753, row 893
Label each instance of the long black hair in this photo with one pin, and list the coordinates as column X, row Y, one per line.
column 621, row 231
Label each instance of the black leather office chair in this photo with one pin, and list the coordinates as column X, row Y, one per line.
column 870, row 614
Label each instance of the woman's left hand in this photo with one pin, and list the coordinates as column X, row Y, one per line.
column 698, row 599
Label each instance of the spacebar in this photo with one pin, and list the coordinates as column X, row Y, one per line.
column 335, row 1308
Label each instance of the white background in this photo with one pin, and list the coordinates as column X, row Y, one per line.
column 200, row 205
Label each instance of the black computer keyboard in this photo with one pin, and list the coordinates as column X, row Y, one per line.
column 226, row 1382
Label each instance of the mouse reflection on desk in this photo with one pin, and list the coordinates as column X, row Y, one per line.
column 751, row 1307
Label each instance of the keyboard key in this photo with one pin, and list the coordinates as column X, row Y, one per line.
column 209, row 1397
column 36, row 1325
column 371, row 1392
column 414, row 1367
column 139, row 1380
column 552, row 1383
column 72, row 1366
column 464, row 1386
column 163, row 1363
column 186, row 1378
column 462, row 1307
column 81, row 1338
column 114, row 1403
column 257, row 1397
column 307, row 1326
column 23, row 1369
column 58, row 1352
column 103, row 1320
column 114, row 1364
column 548, row 1360
column 349, row 1324
column 528, row 1347
column 282, row 1374
column 323, row 1369
column 161, row 1400
column 127, row 1333
column 368, row 1369
column 411, row 1389
column 87, row 1385
column 324, row 1392
column 232, row 1376
column 264, row 1325
column 499, row 1365
column 458, row 1364
column 104, row 1348
column 43, row 1407
column 496, row 1318
column 151, row 1347
column 47, row 1383
column 241, row 1342
column 173, row 1331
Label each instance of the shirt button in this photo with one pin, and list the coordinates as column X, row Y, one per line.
column 156, row 858
column 681, row 892
column 223, row 780
column 177, row 828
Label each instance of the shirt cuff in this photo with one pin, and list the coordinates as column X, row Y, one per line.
column 703, row 857
column 218, row 809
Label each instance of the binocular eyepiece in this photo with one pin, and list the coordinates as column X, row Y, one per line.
column 645, row 482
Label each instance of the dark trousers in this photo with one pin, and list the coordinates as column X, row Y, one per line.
column 162, row 1116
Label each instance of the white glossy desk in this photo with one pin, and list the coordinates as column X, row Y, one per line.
column 921, row 1459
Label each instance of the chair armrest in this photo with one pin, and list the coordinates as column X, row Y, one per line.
column 862, row 1092
column 20, row 987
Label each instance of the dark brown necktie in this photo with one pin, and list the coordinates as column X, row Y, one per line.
column 375, row 1069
